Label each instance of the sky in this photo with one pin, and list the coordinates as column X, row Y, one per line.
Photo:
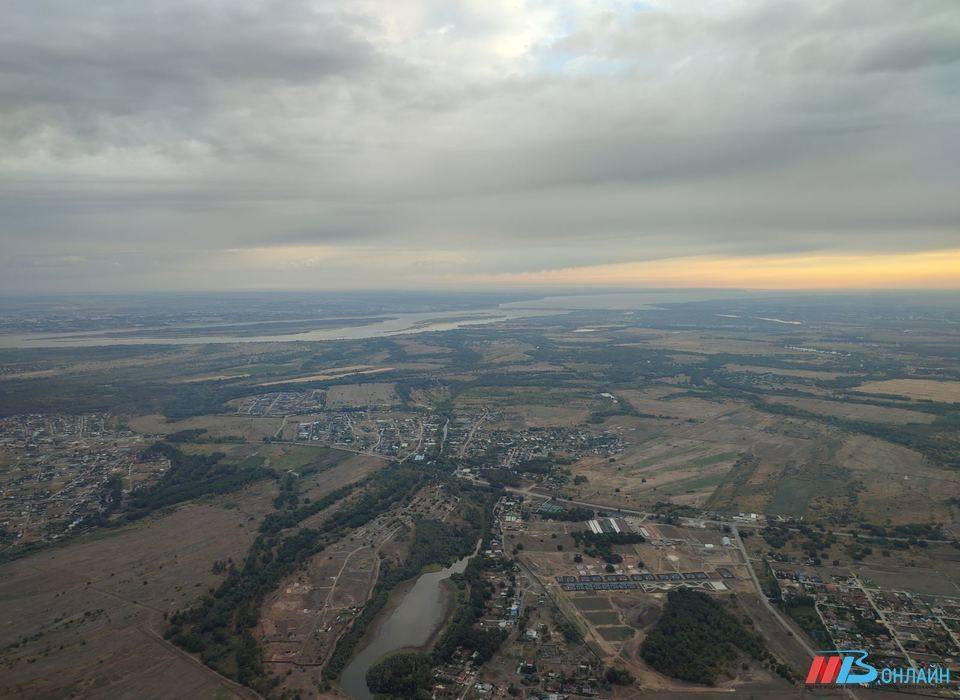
column 291, row 144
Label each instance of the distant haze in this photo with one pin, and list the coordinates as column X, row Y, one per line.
column 286, row 144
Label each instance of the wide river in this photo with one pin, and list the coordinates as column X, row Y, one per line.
column 397, row 324
column 417, row 616
column 353, row 329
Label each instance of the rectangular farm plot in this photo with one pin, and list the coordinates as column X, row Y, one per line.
column 930, row 389
column 356, row 395
column 619, row 633
column 598, row 603
column 602, row 617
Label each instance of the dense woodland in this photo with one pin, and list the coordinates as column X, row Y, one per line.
column 697, row 640
column 573, row 514
column 402, row 675
column 600, row 545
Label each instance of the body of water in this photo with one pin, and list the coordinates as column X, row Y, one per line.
column 398, row 324
column 410, row 624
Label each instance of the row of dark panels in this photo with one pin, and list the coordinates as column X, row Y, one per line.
column 614, row 578
column 618, row 586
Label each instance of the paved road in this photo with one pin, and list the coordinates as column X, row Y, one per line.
column 595, row 506
column 771, row 607
column 766, row 601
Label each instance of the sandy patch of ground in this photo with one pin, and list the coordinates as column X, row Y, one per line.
column 207, row 378
column 331, row 374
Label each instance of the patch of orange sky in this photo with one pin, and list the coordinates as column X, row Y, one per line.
column 925, row 270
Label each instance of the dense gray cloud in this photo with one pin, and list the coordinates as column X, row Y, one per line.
column 225, row 143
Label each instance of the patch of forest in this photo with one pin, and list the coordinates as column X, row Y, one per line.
column 190, row 476
column 697, row 640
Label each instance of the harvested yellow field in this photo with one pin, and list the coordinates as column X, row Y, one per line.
column 931, row 389
column 373, row 394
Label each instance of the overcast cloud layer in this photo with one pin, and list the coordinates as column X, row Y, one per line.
column 191, row 144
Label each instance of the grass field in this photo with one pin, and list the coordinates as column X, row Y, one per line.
column 616, row 634
column 599, row 603
column 692, row 485
column 93, row 612
column 792, row 495
column 602, row 617
column 246, row 427
column 284, row 457
column 533, row 396
column 806, row 616
column 857, row 411
column 372, row 394
column 713, row 459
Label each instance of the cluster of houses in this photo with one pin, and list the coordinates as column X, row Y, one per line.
column 62, row 466
column 282, row 403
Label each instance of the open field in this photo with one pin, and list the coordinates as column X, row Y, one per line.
column 618, row 633
column 93, row 612
column 350, row 395
column 245, row 427
column 787, row 372
column 897, row 483
column 518, row 417
column 293, row 457
column 857, row 411
column 602, row 617
column 665, row 457
column 667, row 401
column 929, row 389
column 710, row 343
column 532, row 406
column 592, row 603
